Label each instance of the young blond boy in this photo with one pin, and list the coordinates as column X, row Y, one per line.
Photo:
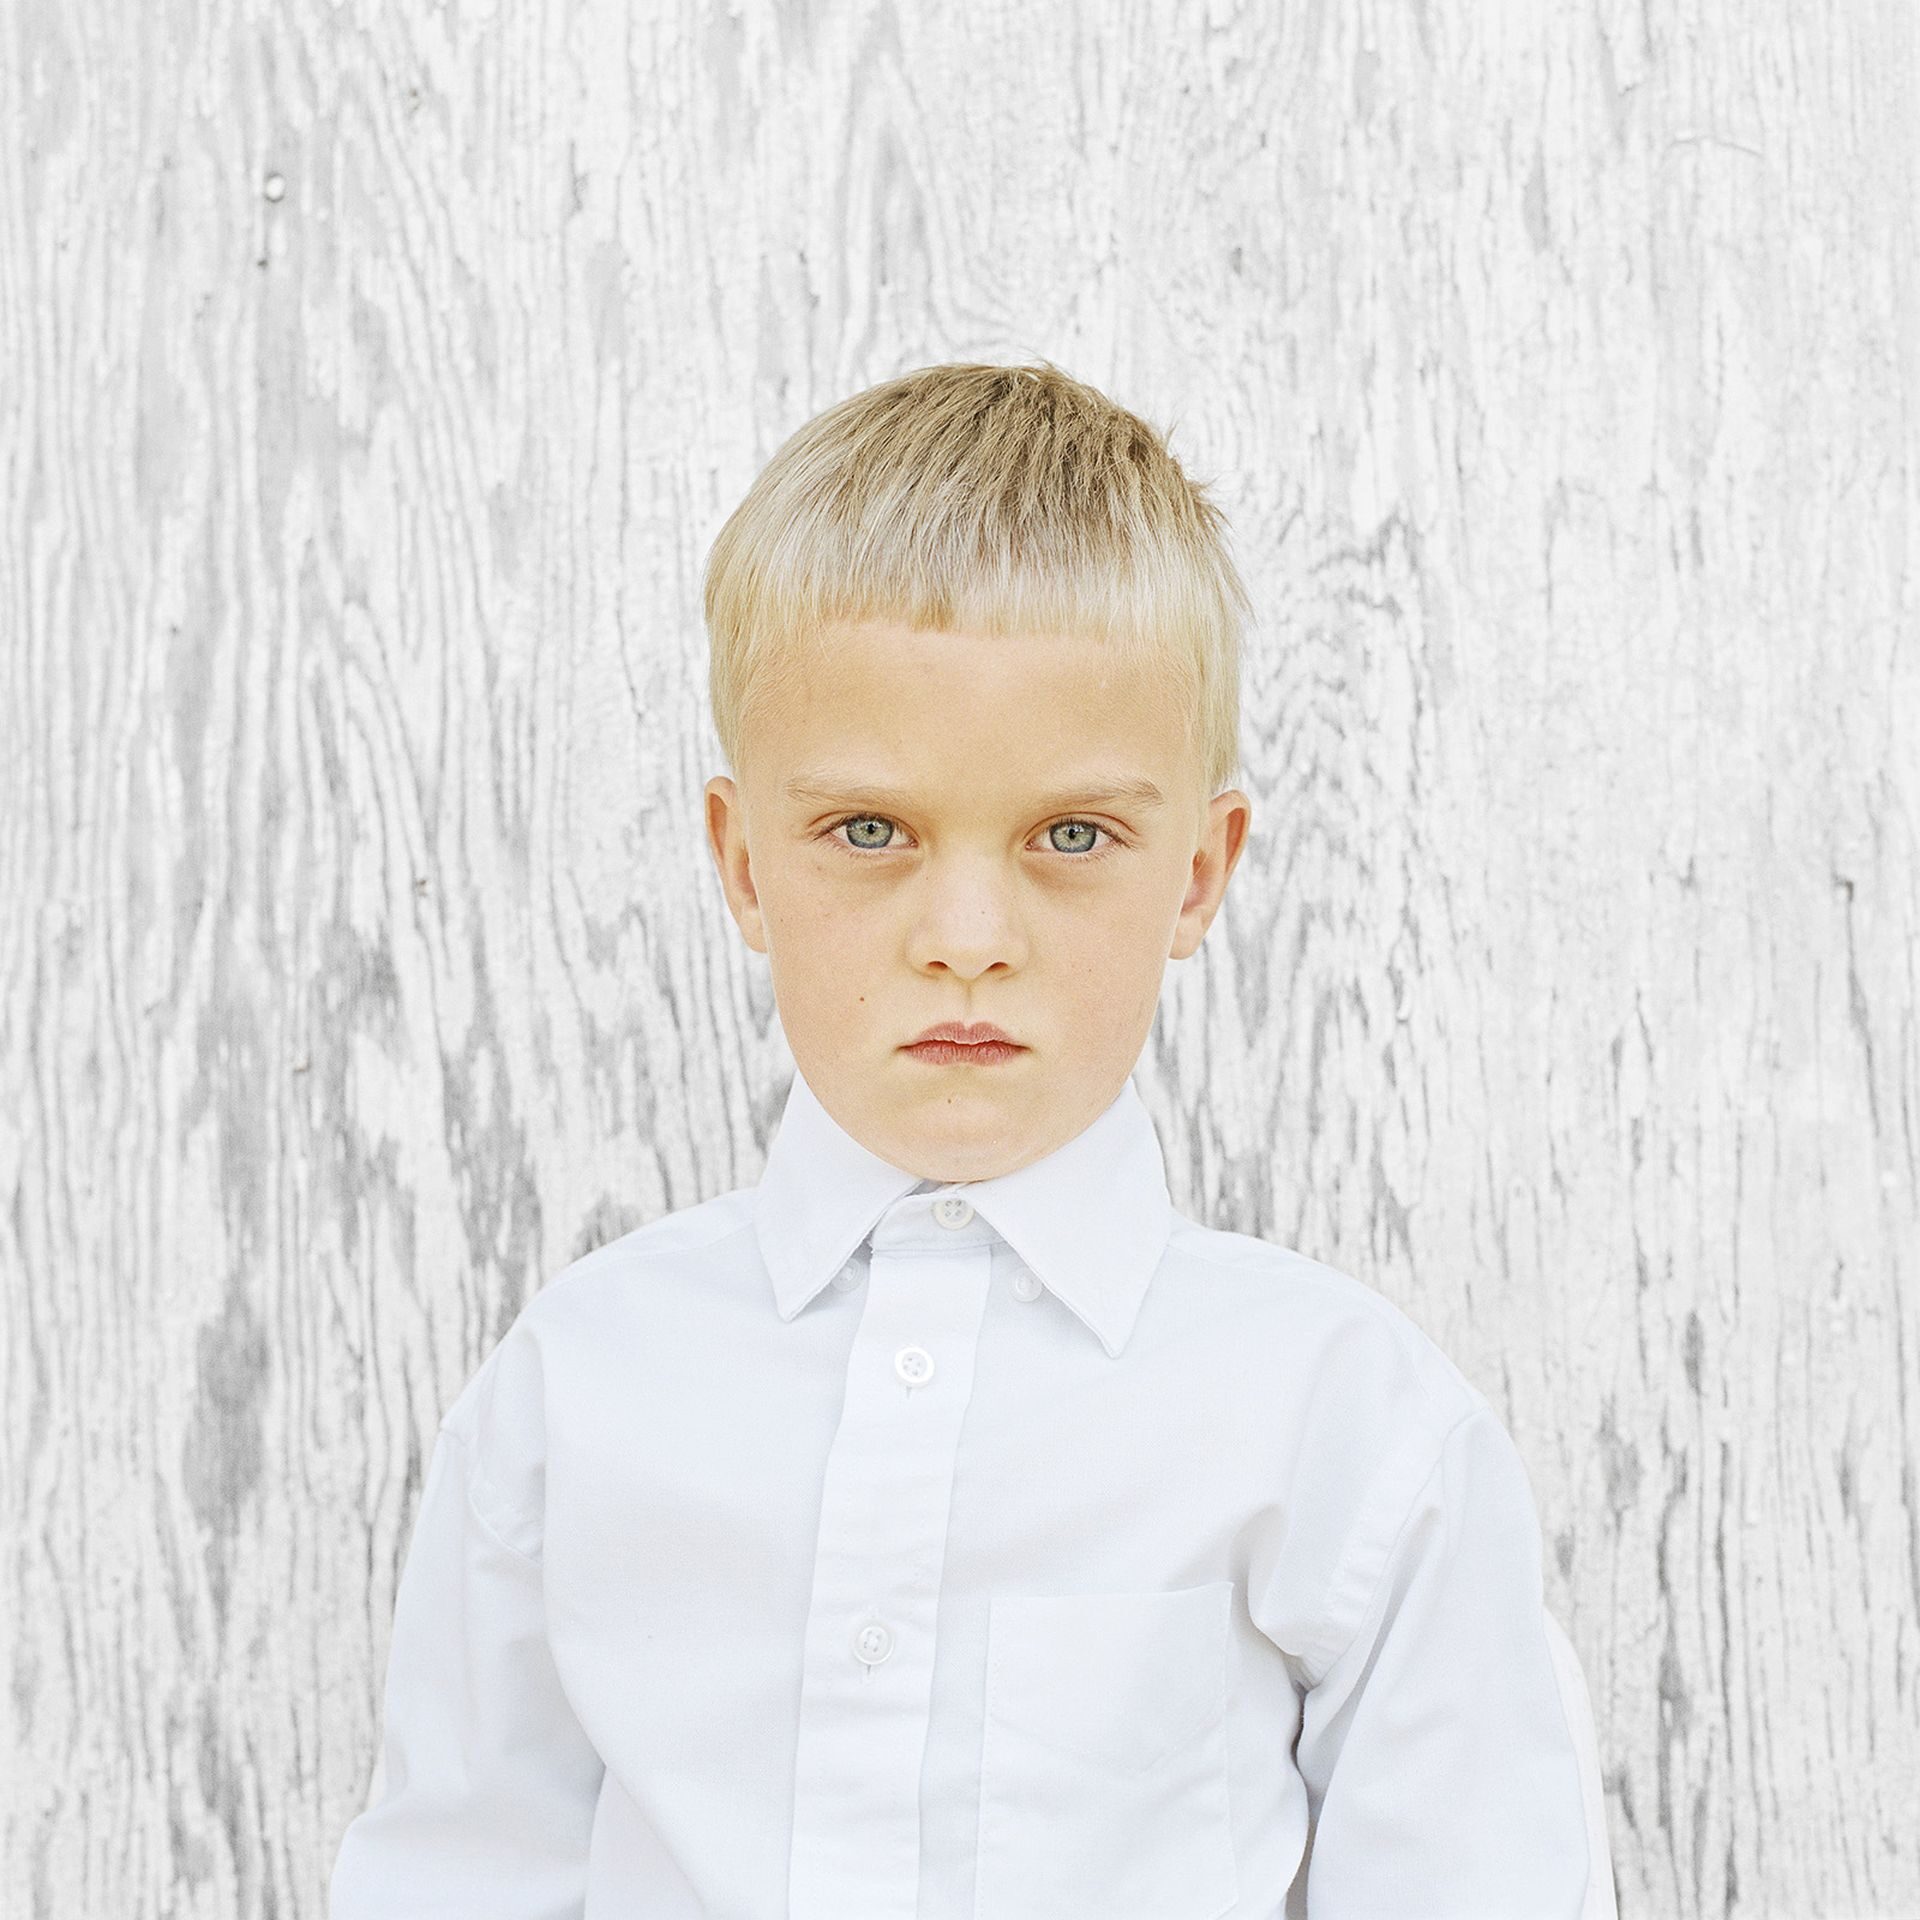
column 945, row 1527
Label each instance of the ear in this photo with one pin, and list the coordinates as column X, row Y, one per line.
column 727, row 841
column 1222, row 839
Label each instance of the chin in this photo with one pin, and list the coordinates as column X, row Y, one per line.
column 963, row 1151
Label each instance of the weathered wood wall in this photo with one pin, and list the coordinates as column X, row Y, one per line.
column 372, row 380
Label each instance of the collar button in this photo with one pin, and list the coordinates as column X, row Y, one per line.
column 953, row 1210
column 1025, row 1286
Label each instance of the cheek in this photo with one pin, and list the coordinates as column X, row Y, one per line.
column 1123, row 944
column 1133, row 915
column 797, row 893
column 816, row 931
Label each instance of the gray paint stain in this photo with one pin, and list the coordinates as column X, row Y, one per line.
column 220, row 1463
column 1620, row 1461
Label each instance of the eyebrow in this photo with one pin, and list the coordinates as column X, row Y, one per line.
column 1101, row 790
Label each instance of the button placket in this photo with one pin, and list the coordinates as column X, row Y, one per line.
column 880, row 1548
column 915, row 1364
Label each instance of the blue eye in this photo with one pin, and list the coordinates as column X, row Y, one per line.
column 1075, row 826
column 859, row 826
column 873, row 833
column 858, row 820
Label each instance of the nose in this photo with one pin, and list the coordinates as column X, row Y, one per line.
column 967, row 921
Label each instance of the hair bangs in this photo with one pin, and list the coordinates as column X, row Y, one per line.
column 1006, row 501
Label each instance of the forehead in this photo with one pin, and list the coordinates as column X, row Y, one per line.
column 1088, row 787
column 878, row 706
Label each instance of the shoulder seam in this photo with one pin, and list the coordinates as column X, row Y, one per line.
column 486, row 1526
column 1326, row 1666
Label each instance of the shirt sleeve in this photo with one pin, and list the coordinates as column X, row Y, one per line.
column 486, row 1786
column 1448, row 1748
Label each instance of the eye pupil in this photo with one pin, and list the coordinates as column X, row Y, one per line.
column 858, row 827
column 1075, row 826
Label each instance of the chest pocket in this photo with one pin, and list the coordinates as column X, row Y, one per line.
column 1103, row 1769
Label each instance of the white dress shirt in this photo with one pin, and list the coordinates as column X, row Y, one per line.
column 852, row 1547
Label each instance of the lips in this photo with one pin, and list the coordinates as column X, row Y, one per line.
column 964, row 1033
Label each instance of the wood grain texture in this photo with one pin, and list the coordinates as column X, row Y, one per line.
column 372, row 382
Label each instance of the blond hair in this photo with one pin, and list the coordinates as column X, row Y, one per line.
column 1010, row 500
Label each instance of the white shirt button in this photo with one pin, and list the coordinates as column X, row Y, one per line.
column 953, row 1210
column 1025, row 1286
column 914, row 1365
column 873, row 1641
column 847, row 1278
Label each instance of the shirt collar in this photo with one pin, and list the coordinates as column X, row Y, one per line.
column 1090, row 1219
